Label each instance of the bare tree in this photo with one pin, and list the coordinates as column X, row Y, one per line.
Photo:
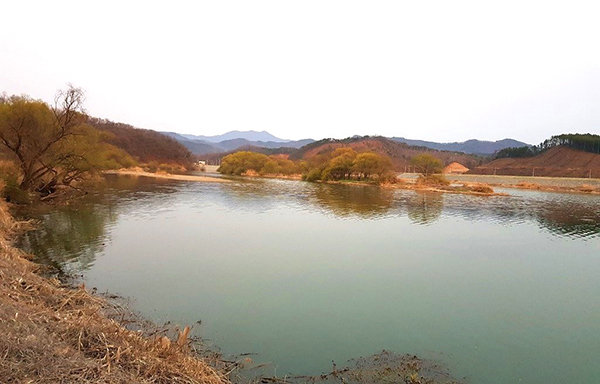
column 42, row 138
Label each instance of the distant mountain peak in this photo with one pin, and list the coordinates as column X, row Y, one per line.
column 235, row 134
column 232, row 140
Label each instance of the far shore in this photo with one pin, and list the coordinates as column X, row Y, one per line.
column 471, row 183
column 548, row 184
column 539, row 183
column 168, row 176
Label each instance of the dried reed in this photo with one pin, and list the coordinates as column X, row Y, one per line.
column 58, row 334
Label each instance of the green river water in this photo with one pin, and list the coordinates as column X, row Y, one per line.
column 499, row 289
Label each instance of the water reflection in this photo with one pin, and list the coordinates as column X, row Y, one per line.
column 77, row 234
column 71, row 236
column 424, row 208
column 569, row 218
column 306, row 273
column 363, row 202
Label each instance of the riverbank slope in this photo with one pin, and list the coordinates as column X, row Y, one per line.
column 55, row 333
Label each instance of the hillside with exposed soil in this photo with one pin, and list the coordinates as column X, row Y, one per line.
column 559, row 161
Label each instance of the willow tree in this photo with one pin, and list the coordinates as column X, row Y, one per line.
column 241, row 162
column 427, row 164
column 340, row 165
column 369, row 163
column 51, row 145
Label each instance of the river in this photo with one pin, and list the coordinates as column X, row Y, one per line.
column 501, row 289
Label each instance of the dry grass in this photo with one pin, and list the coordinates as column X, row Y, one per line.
column 481, row 188
column 56, row 334
column 588, row 188
column 432, row 181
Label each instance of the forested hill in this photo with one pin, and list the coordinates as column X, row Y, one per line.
column 585, row 142
column 143, row 144
column 559, row 161
column 399, row 153
column 566, row 155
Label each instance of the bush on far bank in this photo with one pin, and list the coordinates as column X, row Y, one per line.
column 243, row 162
column 341, row 164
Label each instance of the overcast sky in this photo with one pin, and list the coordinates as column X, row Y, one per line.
column 440, row 71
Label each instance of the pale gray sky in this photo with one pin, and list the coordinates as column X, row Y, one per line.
column 441, row 71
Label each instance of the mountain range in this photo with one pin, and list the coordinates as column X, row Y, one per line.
column 233, row 140
column 474, row 147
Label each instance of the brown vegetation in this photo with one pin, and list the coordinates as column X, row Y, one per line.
column 432, row 181
column 145, row 145
column 48, row 151
column 51, row 146
column 481, row 188
column 584, row 188
column 439, row 183
column 55, row 334
column 382, row 367
column 555, row 162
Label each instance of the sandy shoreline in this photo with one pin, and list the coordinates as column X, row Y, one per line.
column 168, row 176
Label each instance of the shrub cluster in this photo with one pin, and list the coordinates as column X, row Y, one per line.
column 341, row 164
column 245, row 162
column 345, row 164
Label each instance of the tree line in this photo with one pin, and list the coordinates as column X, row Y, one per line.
column 584, row 142
column 340, row 164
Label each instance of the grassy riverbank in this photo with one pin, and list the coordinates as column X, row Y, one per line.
column 56, row 333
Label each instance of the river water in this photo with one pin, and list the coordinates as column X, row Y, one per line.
column 500, row 289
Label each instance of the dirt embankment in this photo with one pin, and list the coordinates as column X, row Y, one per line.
column 53, row 333
column 555, row 162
